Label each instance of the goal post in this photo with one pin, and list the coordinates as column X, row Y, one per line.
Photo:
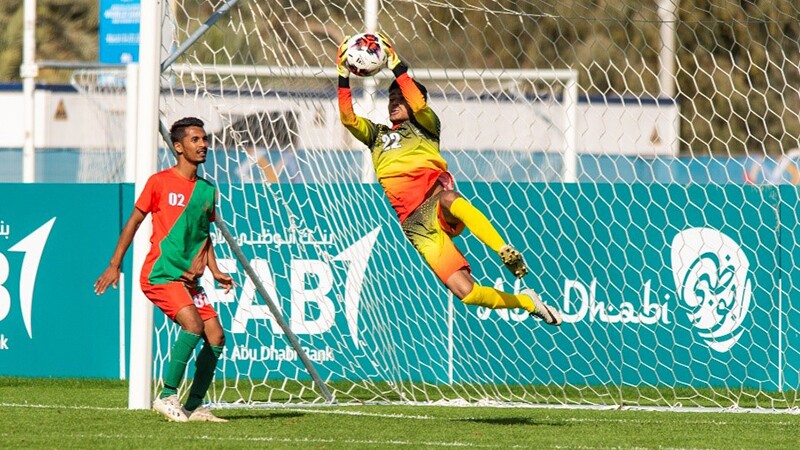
column 147, row 118
column 641, row 218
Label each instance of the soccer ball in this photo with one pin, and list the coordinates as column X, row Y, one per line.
column 365, row 55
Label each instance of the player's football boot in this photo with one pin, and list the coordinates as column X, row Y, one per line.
column 543, row 311
column 170, row 407
column 512, row 259
column 202, row 414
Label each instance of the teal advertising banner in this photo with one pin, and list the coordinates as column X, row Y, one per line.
column 55, row 240
column 651, row 278
column 788, row 302
column 659, row 284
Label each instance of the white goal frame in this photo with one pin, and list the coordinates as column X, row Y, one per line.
column 568, row 77
column 141, row 385
column 153, row 66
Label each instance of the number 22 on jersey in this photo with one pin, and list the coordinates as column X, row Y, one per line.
column 390, row 141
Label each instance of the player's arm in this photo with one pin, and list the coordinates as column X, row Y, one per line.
column 222, row 278
column 423, row 114
column 362, row 129
column 111, row 275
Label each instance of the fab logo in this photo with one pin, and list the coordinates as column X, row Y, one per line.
column 32, row 247
column 303, row 295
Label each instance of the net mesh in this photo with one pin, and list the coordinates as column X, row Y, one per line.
column 654, row 207
column 103, row 92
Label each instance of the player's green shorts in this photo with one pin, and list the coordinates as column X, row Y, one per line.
column 431, row 235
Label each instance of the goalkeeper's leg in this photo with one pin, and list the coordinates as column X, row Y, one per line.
column 471, row 293
column 457, row 209
column 425, row 231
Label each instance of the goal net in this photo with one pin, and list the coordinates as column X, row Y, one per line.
column 101, row 158
column 639, row 155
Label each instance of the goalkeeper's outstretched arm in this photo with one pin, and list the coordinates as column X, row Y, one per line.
column 412, row 91
column 362, row 129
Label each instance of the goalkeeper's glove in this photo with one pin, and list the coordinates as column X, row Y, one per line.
column 341, row 59
column 392, row 60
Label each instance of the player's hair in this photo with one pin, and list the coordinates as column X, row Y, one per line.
column 422, row 88
column 178, row 130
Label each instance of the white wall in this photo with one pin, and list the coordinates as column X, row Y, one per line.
column 12, row 125
column 97, row 121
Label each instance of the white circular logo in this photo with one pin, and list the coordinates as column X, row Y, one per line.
column 712, row 279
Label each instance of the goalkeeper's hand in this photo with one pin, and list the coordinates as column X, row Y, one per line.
column 392, row 60
column 341, row 59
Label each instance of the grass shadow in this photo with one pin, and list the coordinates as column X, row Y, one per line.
column 510, row 421
column 270, row 415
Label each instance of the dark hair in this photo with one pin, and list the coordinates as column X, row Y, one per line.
column 178, row 130
column 396, row 86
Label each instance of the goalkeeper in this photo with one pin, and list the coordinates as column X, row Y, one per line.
column 414, row 177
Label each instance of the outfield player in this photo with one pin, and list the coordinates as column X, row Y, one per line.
column 414, row 177
column 182, row 205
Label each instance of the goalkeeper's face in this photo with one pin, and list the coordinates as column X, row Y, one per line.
column 398, row 107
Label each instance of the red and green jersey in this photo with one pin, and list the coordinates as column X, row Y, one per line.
column 182, row 211
column 406, row 157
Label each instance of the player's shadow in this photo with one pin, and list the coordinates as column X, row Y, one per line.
column 508, row 421
column 274, row 415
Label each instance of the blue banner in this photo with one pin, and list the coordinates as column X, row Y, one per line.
column 119, row 31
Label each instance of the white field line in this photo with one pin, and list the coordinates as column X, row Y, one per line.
column 328, row 410
column 380, row 443
column 414, row 444
column 548, row 418
column 78, row 407
column 589, row 447
column 304, row 410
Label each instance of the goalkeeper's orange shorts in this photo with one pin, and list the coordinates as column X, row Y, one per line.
column 174, row 296
column 432, row 236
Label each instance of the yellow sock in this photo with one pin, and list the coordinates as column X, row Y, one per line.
column 494, row 299
column 477, row 223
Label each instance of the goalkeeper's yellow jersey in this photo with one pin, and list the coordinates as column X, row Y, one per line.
column 406, row 157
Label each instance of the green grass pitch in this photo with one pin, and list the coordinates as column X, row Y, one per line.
column 57, row 413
